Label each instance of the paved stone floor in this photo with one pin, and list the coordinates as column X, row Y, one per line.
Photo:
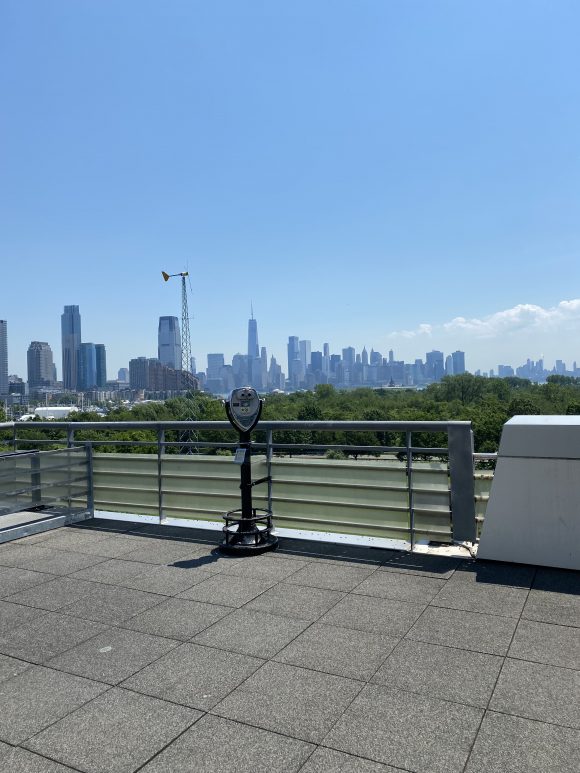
column 127, row 648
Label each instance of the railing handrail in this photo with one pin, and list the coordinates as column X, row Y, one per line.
column 401, row 426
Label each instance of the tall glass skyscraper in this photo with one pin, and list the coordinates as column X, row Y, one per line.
column 70, row 323
column 101, row 365
column 169, row 342
column 40, row 365
column 3, row 357
column 254, row 362
column 87, row 378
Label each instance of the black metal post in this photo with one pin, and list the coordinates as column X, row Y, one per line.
column 245, row 531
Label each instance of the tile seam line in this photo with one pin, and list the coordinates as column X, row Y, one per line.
column 173, row 740
column 486, row 710
column 366, row 683
column 44, row 757
column 270, row 660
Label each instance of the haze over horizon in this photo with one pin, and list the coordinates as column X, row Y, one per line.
column 401, row 176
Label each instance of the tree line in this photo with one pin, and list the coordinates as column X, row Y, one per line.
column 487, row 402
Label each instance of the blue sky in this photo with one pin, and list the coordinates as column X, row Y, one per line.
column 385, row 173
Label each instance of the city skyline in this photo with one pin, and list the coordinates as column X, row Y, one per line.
column 384, row 174
column 299, row 364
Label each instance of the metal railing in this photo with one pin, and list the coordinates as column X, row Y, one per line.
column 49, row 480
column 458, row 455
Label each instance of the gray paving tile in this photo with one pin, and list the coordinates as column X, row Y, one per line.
column 330, row 761
column 553, row 607
column 13, row 580
column 495, row 573
column 177, row 618
column 113, row 655
column 505, row 744
column 443, row 672
column 296, row 601
column 61, row 562
column 10, row 667
column 38, row 697
column 217, row 744
column 331, row 576
column 251, row 632
column 554, row 645
column 481, row 597
column 70, row 538
column 13, row 615
column 112, row 571
column 467, row 630
column 266, row 567
column 424, row 564
column 115, row 733
column 13, row 759
column 413, row 732
column 193, row 675
column 47, row 636
column 112, row 547
column 341, row 651
column 227, row 590
column 164, row 552
column 52, row 595
column 111, row 603
column 167, row 580
column 404, row 587
column 293, row 701
column 557, row 581
column 537, row 691
column 385, row 616
column 15, row 554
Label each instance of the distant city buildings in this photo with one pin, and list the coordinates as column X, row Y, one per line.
column 85, row 367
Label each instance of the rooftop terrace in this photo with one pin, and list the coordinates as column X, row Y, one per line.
column 140, row 648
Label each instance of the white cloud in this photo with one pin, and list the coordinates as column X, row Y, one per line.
column 524, row 317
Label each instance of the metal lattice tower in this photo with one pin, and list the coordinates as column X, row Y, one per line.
column 188, row 381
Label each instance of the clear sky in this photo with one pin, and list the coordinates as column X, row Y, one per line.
column 392, row 173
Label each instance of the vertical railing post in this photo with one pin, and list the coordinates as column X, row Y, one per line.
column 70, row 436
column 160, row 452
column 35, row 480
column 408, row 445
column 14, row 438
column 269, row 454
column 462, row 482
column 90, row 478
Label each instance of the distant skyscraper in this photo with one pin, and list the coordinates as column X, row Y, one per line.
column 316, row 361
column 70, row 322
column 348, row 357
column 365, row 356
column 87, row 367
column 215, row 363
column 40, row 365
column 254, row 362
column 101, row 365
column 449, row 365
column 458, row 363
column 123, row 375
column 169, row 342
column 253, row 348
column 293, row 360
column 305, row 349
column 3, row 357
column 434, row 366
